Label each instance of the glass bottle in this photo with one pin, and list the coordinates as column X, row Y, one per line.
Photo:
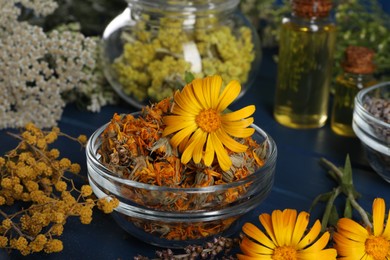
column 148, row 49
column 358, row 68
column 307, row 43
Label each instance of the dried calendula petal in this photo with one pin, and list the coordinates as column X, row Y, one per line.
column 138, row 148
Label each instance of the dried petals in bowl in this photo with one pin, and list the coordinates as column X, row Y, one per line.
column 182, row 168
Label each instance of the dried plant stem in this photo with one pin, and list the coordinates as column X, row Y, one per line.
column 345, row 186
column 359, row 209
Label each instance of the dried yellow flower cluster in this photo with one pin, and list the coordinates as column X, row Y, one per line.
column 34, row 174
column 153, row 63
column 42, row 71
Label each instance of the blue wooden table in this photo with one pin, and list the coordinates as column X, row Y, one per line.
column 299, row 177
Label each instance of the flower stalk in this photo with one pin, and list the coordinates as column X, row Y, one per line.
column 343, row 176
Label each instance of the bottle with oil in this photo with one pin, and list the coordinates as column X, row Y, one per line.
column 358, row 68
column 307, row 42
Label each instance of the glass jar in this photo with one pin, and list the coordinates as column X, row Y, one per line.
column 306, row 47
column 148, row 49
column 358, row 68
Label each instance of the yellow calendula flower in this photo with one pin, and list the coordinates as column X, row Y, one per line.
column 285, row 238
column 353, row 241
column 200, row 127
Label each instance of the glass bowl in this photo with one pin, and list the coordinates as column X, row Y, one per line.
column 149, row 47
column 210, row 211
column 371, row 124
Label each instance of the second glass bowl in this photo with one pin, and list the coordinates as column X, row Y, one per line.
column 371, row 123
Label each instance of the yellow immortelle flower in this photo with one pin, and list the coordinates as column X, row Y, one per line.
column 200, row 126
column 285, row 238
column 356, row 242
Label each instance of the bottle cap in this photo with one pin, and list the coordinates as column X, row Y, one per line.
column 358, row 60
column 311, row 8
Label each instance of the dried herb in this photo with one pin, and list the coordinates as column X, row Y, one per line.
column 37, row 196
column 219, row 248
column 133, row 148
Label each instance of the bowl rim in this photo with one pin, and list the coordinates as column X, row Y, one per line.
column 92, row 157
column 359, row 105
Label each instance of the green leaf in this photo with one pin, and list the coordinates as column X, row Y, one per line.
column 189, row 77
column 334, row 216
column 347, row 172
column 348, row 209
column 320, row 198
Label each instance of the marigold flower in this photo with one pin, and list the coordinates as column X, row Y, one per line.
column 353, row 241
column 285, row 238
column 198, row 121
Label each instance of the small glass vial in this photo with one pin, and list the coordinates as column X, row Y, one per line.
column 358, row 72
column 307, row 43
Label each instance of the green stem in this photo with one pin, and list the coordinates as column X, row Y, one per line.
column 361, row 211
column 328, row 209
column 332, row 167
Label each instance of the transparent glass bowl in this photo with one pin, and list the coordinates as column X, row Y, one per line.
column 374, row 132
column 211, row 211
column 147, row 49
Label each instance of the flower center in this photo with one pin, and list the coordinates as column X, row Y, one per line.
column 377, row 247
column 284, row 253
column 208, row 120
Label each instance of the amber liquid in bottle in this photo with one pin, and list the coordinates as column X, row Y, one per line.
column 304, row 72
column 346, row 88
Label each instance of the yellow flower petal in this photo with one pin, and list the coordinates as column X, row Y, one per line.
column 192, row 143
column 386, row 232
column 238, row 124
column 240, row 133
column 278, row 227
column 230, row 143
column 290, row 217
column 222, row 155
column 215, row 85
column 199, row 89
column 353, row 229
column 319, row 244
column 327, row 254
column 229, row 94
column 186, row 99
column 252, row 231
column 180, row 111
column 254, row 249
column 183, row 143
column 239, row 114
column 310, row 236
column 171, row 128
column 198, row 150
column 300, row 227
column 209, row 153
column 348, row 249
column 245, row 257
column 378, row 215
column 181, row 135
column 265, row 220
